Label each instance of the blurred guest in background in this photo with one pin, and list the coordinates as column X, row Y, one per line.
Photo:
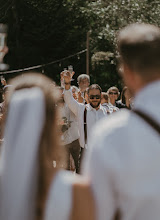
column 126, row 97
column 75, row 91
column 104, row 102
column 113, row 93
column 70, row 132
column 83, row 81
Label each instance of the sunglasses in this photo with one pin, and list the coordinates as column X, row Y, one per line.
column 113, row 93
column 94, row 96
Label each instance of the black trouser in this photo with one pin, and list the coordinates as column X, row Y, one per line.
column 73, row 149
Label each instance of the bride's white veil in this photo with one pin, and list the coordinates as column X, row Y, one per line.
column 19, row 158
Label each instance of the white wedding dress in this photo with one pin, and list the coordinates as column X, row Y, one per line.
column 59, row 202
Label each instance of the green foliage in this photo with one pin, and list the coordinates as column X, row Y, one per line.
column 109, row 18
column 46, row 30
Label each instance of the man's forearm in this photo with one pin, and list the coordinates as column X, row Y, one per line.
column 67, row 86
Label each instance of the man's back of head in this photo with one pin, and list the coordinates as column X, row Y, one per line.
column 139, row 48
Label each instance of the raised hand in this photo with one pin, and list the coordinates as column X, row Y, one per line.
column 66, row 76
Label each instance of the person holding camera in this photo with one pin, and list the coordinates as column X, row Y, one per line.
column 69, row 132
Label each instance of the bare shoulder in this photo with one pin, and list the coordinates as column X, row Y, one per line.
column 83, row 202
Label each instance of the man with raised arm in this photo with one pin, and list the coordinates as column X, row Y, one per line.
column 126, row 147
column 87, row 115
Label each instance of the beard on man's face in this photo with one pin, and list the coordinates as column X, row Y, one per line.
column 95, row 104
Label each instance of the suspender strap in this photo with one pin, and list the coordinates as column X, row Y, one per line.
column 149, row 120
column 85, row 125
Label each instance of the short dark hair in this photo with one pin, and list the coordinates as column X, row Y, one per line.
column 94, row 86
column 139, row 48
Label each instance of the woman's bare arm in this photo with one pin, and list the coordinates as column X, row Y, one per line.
column 83, row 207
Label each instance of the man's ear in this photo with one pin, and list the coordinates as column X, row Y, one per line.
column 128, row 75
column 132, row 79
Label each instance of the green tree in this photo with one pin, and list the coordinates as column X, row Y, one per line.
column 109, row 17
column 43, row 31
column 46, row 30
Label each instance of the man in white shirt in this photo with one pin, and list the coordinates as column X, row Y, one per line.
column 123, row 159
column 87, row 115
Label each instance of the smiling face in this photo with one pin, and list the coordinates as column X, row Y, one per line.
column 94, row 97
column 113, row 96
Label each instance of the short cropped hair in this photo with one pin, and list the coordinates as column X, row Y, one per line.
column 82, row 77
column 94, row 86
column 139, row 48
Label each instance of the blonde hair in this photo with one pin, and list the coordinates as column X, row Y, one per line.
column 113, row 88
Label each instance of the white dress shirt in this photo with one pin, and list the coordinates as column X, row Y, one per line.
column 92, row 117
column 113, row 107
column 72, row 133
column 123, row 161
column 110, row 108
